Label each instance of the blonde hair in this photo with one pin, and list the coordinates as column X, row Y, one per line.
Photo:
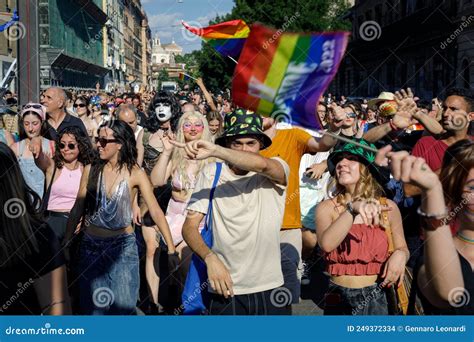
column 178, row 161
column 366, row 187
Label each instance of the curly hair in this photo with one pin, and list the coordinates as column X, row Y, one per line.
column 366, row 187
column 86, row 152
column 153, row 124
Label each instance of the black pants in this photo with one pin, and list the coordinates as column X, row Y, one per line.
column 260, row 303
column 58, row 222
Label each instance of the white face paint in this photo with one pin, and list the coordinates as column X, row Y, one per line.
column 163, row 112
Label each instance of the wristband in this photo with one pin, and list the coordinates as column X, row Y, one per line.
column 433, row 222
column 350, row 209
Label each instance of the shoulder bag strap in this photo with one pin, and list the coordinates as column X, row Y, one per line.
column 44, row 205
column 208, row 226
column 386, row 226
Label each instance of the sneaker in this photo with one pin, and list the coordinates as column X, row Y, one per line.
column 305, row 277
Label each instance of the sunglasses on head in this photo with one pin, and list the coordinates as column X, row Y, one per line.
column 70, row 146
column 80, row 105
column 103, row 141
column 34, row 105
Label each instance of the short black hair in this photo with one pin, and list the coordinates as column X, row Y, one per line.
column 466, row 94
column 424, row 104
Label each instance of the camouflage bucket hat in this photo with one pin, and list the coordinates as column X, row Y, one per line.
column 366, row 157
column 241, row 123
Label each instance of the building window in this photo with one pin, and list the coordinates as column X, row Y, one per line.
column 44, row 36
column 43, row 15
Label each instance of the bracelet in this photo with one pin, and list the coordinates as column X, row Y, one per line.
column 433, row 222
column 49, row 306
column 208, row 254
column 350, row 209
column 392, row 126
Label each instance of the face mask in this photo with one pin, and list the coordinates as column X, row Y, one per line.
column 163, row 112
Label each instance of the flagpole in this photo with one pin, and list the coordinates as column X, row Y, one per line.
column 233, row 59
column 350, row 141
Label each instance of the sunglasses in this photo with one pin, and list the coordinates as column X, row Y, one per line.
column 103, row 141
column 70, row 146
column 35, row 106
column 189, row 126
column 80, row 105
column 351, row 115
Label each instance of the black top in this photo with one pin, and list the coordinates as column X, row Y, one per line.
column 68, row 121
column 17, row 293
column 468, row 298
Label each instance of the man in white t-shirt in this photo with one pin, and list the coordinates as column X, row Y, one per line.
column 243, row 265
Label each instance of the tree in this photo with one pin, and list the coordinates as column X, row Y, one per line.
column 297, row 15
column 162, row 77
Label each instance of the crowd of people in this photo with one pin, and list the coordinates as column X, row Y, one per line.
column 108, row 196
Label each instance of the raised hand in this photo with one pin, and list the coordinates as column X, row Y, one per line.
column 406, row 108
column 198, row 149
column 166, row 141
column 370, row 210
column 338, row 116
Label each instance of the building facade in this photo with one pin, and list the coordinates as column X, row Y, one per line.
column 71, row 43
column 423, row 44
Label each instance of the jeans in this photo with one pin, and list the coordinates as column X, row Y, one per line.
column 109, row 275
column 260, row 303
column 291, row 244
column 369, row 300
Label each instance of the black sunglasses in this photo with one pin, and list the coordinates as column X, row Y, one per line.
column 103, row 141
column 81, row 105
column 70, row 146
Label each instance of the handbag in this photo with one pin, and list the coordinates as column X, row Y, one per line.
column 401, row 300
column 195, row 296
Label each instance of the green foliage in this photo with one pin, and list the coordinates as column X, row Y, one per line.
column 162, row 77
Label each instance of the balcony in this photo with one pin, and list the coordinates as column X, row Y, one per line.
column 93, row 10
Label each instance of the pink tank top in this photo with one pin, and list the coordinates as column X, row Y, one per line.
column 362, row 252
column 64, row 189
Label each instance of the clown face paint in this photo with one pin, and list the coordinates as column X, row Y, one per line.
column 163, row 112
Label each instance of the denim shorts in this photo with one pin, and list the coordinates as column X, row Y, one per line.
column 370, row 300
column 108, row 275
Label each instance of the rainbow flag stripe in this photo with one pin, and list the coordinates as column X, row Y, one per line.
column 183, row 76
column 227, row 38
column 283, row 75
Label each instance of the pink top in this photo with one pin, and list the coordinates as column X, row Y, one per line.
column 64, row 189
column 362, row 252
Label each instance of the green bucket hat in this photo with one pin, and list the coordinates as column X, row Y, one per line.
column 366, row 157
column 242, row 122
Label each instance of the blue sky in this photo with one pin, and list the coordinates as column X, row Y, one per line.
column 165, row 17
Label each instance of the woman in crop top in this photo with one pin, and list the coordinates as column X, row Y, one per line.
column 183, row 172
column 354, row 244
column 63, row 174
column 109, row 264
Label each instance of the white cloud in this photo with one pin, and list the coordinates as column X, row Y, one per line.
column 164, row 20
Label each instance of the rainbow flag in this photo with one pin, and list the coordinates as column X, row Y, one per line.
column 282, row 75
column 227, row 38
column 184, row 77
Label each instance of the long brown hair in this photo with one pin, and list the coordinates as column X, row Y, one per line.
column 457, row 162
column 366, row 188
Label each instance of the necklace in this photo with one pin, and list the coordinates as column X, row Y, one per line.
column 464, row 238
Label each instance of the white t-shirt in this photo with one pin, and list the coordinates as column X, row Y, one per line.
column 246, row 219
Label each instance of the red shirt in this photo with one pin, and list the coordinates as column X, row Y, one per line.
column 431, row 150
